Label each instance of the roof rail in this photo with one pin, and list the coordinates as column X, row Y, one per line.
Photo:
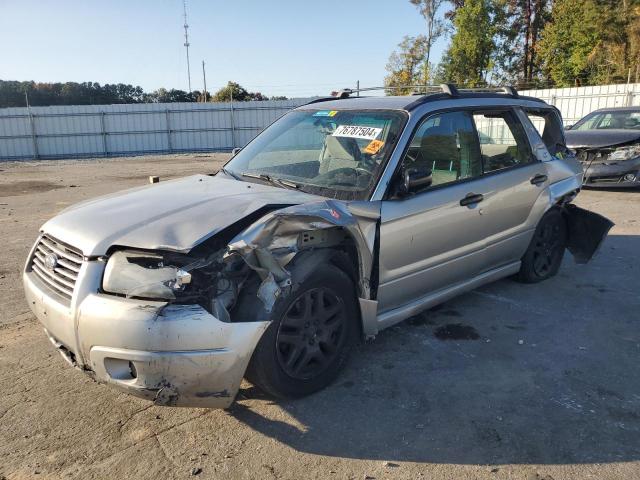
column 344, row 93
column 321, row 99
column 506, row 90
column 337, row 95
column 510, row 90
column 446, row 88
column 450, row 89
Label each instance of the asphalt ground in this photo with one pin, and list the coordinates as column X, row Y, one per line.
column 509, row 381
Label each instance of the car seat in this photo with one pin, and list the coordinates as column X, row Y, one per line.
column 439, row 153
column 339, row 152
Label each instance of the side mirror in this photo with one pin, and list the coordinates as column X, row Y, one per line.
column 235, row 151
column 415, row 179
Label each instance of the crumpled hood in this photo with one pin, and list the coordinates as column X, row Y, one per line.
column 173, row 215
column 600, row 138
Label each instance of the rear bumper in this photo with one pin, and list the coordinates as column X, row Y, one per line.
column 178, row 355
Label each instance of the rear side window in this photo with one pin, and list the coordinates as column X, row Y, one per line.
column 446, row 144
column 549, row 126
column 503, row 142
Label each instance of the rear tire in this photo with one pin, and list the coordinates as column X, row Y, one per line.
column 311, row 334
column 546, row 250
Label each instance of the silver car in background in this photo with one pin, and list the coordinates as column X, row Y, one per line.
column 342, row 218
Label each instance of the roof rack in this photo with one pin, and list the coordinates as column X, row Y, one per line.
column 446, row 88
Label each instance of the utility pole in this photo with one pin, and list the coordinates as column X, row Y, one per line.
column 186, row 41
column 204, row 79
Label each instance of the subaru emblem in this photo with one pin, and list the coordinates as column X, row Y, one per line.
column 51, row 261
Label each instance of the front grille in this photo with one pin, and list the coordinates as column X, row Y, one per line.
column 62, row 277
column 611, row 179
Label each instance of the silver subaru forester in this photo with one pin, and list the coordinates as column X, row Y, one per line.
column 342, row 218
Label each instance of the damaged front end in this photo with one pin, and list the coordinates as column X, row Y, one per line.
column 172, row 295
column 610, row 167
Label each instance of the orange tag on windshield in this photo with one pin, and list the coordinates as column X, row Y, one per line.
column 374, row 147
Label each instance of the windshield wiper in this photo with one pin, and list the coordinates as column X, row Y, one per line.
column 286, row 183
column 278, row 182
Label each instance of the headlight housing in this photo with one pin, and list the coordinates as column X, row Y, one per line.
column 146, row 275
column 624, row 153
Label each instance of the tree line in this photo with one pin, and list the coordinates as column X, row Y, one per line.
column 17, row 94
column 527, row 43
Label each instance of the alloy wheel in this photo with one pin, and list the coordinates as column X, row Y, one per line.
column 547, row 248
column 310, row 333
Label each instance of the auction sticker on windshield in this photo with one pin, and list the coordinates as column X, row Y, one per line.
column 355, row 131
column 374, row 147
column 325, row 113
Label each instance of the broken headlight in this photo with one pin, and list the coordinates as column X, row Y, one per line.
column 625, row 153
column 146, row 275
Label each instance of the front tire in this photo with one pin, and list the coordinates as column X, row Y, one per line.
column 311, row 334
column 545, row 252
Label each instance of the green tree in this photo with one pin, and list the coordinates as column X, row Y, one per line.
column 239, row 94
column 14, row 94
column 435, row 29
column 405, row 65
column 569, row 40
column 615, row 57
column 469, row 56
column 519, row 25
column 162, row 95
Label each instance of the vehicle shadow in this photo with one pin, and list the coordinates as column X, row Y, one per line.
column 550, row 377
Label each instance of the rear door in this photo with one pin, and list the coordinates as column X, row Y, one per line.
column 514, row 182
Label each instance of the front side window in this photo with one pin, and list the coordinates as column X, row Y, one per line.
column 445, row 144
column 334, row 153
column 503, row 142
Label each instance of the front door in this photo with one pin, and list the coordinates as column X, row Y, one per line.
column 433, row 238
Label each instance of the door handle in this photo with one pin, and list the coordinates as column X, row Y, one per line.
column 539, row 179
column 471, row 198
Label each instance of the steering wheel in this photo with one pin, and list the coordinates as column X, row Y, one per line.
column 346, row 171
column 363, row 171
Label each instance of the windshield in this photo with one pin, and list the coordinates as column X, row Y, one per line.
column 607, row 120
column 333, row 153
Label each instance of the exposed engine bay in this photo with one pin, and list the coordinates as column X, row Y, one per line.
column 214, row 273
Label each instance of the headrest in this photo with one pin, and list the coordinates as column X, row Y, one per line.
column 438, row 144
column 337, row 147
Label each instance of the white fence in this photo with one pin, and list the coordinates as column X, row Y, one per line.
column 574, row 103
column 110, row 130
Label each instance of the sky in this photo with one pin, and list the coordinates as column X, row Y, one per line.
column 283, row 47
